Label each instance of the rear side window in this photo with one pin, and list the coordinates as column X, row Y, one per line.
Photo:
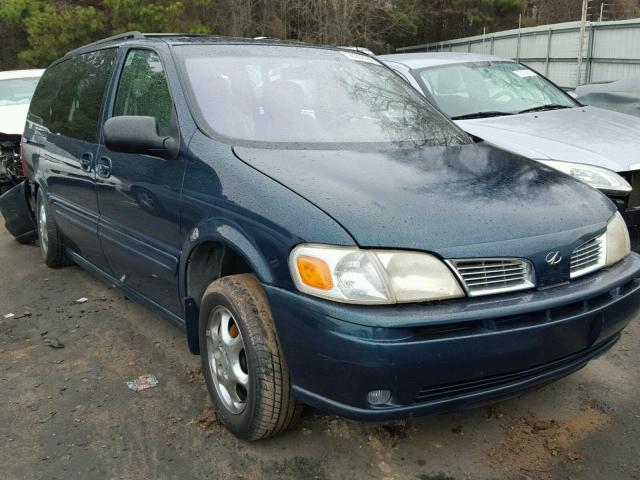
column 143, row 89
column 45, row 94
column 69, row 96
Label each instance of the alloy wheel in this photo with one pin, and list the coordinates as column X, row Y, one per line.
column 42, row 228
column 227, row 360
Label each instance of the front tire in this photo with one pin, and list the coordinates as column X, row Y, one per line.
column 51, row 244
column 244, row 369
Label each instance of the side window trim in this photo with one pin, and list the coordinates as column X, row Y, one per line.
column 106, row 94
column 112, row 90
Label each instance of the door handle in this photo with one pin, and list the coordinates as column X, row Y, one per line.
column 86, row 161
column 103, row 167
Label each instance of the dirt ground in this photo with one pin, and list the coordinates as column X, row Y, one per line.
column 67, row 412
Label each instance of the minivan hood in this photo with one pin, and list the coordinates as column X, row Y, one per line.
column 12, row 119
column 435, row 199
column 586, row 135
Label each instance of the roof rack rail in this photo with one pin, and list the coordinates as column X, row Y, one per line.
column 120, row 36
column 176, row 34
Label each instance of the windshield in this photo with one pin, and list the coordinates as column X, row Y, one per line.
column 294, row 95
column 490, row 87
column 17, row 91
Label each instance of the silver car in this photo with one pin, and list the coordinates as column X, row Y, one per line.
column 516, row 109
column 622, row 96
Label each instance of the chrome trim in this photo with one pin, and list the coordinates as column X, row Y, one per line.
column 589, row 257
column 504, row 270
column 553, row 258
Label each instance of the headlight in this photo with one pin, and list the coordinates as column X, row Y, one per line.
column 601, row 178
column 352, row 275
column 618, row 243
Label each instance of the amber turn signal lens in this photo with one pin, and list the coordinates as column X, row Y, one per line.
column 314, row 273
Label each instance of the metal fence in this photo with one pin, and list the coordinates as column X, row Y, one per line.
column 611, row 50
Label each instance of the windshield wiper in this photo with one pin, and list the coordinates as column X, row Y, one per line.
column 541, row 108
column 488, row 114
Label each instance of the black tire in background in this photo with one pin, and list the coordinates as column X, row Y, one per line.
column 51, row 243
column 269, row 406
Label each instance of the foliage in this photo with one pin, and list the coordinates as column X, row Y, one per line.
column 44, row 30
column 128, row 15
column 35, row 32
column 49, row 33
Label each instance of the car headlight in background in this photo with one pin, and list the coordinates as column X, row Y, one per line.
column 617, row 240
column 352, row 275
column 603, row 179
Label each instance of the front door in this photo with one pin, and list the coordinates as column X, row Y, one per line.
column 139, row 195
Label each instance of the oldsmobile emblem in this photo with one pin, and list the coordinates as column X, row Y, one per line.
column 553, row 258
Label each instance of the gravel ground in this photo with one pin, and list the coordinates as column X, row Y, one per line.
column 67, row 412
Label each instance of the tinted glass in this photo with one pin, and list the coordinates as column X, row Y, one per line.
column 45, row 94
column 143, row 89
column 69, row 98
column 17, row 91
column 280, row 94
column 508, row 87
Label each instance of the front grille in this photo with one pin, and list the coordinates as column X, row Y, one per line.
column 437, row 392
column 486, row 276
column 588, row 257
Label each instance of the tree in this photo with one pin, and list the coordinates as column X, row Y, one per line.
column 159, row 16
column 46, row 30
column 14, row 36
column 54, row 29
column 35, row 32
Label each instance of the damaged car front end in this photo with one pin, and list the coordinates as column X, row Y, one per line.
column 16, row 90
column 11, row 172
column 15, row 191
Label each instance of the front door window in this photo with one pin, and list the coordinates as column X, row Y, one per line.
column 143, row 89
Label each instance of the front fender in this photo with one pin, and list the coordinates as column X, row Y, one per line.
column 218, row 231
column 229, row 235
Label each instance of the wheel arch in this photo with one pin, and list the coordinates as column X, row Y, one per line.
column 38, row 183
column 214, row 251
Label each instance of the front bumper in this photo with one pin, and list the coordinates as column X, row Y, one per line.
column 449, row 355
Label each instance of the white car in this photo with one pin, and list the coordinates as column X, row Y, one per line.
column 512, row 107
column 16, row 90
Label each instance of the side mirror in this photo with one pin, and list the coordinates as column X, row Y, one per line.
column 138, row 134
column 573, row 94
